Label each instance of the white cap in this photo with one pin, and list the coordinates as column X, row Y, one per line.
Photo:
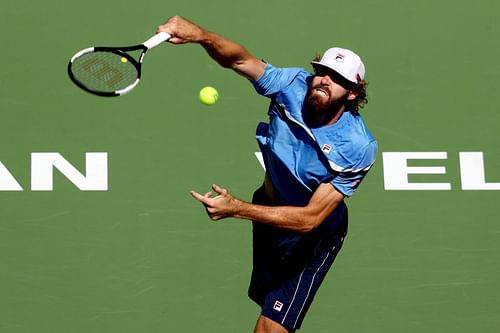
column 345, row 62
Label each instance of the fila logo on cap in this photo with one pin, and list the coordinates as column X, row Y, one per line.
column 339, row 57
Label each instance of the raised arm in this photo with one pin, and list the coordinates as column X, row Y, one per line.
column 301, row 219
column 227, row 53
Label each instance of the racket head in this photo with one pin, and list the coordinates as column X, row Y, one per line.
column 104, row 71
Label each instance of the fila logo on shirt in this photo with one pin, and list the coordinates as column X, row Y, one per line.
column 278, row 306
column 326, row 148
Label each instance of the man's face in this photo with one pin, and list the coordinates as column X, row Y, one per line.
column 327, row 91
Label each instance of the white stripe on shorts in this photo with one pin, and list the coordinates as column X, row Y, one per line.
column 308, row 291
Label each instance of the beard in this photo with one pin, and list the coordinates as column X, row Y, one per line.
column 319, row 108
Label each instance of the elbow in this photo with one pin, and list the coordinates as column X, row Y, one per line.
column 236, row 64
column 310, row 224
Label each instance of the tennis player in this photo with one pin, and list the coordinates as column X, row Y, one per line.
column 316, row 150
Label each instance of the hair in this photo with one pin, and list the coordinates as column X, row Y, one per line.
column 361, row 99
column 359, row 88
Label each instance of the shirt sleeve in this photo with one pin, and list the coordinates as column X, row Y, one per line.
column 348, row 180
column 275, row 80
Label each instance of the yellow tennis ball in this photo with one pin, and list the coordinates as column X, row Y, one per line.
column 209, row 95
column 124, row 60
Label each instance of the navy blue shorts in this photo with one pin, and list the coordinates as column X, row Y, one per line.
column 288, row 268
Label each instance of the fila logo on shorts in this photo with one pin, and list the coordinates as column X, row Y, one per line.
column 278, row 306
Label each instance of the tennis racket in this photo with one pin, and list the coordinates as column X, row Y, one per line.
column 110, row 71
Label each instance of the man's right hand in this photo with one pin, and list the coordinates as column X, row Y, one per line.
column 182, row 30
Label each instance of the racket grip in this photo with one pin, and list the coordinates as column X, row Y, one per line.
column 156, row 39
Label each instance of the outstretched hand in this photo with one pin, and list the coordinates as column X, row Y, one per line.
column 218, row 203
column 182, row 30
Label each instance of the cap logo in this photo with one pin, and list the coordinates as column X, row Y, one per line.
column 339, row 57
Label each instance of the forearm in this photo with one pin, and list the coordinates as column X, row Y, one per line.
column 299, row 219
column 227, row 53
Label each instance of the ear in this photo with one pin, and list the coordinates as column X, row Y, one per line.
column 352, row 95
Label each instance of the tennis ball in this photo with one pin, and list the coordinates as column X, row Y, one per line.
column 209, row 95
column 124, row 60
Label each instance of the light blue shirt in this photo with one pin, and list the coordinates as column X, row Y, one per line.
column 297, row 158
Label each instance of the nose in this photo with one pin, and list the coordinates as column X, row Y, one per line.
column 325, row 80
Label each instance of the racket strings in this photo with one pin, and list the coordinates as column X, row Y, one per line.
column 104, row 71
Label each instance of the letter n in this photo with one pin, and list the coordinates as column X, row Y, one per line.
column 95, row 178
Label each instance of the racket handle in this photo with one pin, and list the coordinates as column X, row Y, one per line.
column 156, row 39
